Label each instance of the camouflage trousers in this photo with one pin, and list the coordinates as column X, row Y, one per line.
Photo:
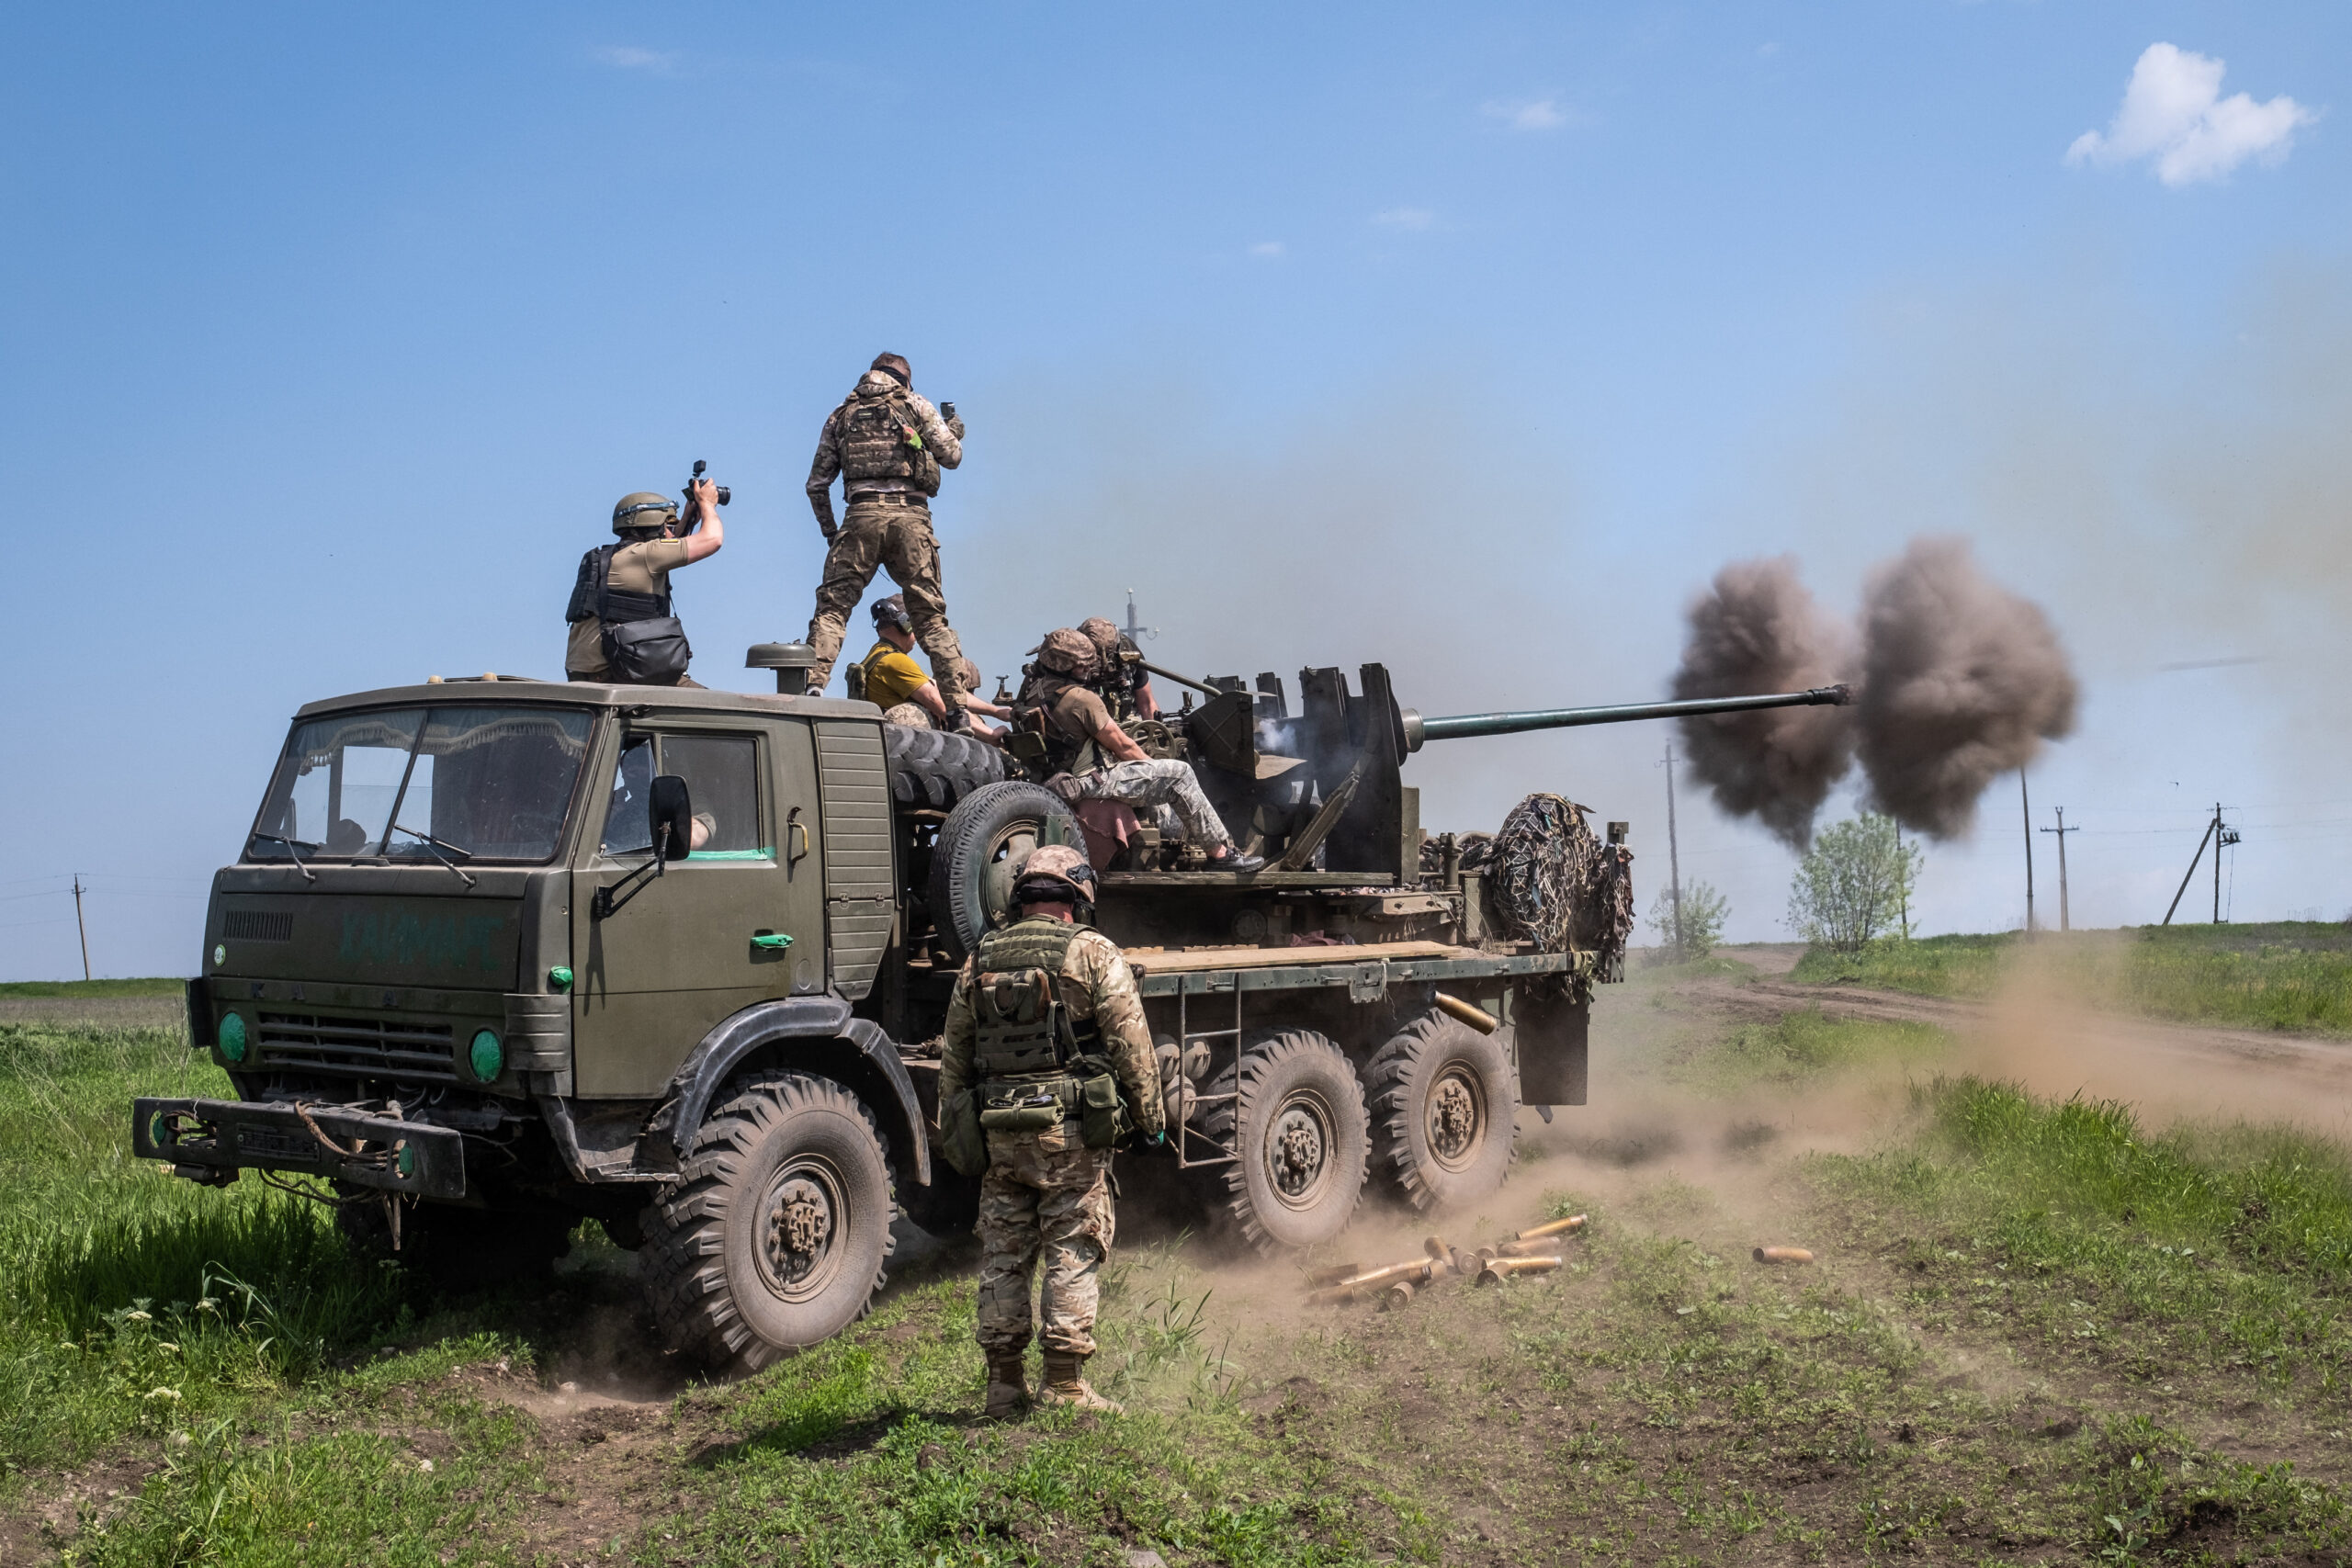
column 891, row 532
column 1050, row 1201
column 1162, row 784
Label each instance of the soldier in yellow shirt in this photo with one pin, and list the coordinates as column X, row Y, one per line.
column 895, row 683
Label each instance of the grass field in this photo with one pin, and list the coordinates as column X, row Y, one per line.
column 2038, row 1334
column 153, row 987
column 2292, row 975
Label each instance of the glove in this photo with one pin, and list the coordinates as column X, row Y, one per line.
column 1158, row 1139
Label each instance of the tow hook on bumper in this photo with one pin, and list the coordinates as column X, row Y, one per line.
column 208, row 1141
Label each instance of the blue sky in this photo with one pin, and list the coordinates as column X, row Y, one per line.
column 1469, row 339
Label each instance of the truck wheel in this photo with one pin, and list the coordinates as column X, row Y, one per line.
column 983, row 838
column 775, row 1236
column 1297, row 1120
column 1445, row 1102
column 459, row 1249
column 931, row 769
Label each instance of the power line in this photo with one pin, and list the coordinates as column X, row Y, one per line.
column 84, row 930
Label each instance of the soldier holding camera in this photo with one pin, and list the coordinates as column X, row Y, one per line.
column 622, row 628
column 888, row 446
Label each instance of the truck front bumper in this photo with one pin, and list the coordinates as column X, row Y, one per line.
column 211, row 1140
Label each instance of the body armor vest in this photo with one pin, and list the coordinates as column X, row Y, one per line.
column 1023, row 1029
column 874, row 441
column 1056, row 750
column 594, row 594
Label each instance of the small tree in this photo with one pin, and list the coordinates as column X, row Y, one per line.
column 1704, row 910
column 1854, row 884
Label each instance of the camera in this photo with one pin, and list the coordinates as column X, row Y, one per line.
column 724, row 496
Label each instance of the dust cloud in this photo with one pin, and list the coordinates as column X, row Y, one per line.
column 1758, row 629
column 1962, row 681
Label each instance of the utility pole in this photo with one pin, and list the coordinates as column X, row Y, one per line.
column 1673, row 852
column 1136, row 633
column 2212, row 829
column 2065, row 922
column 2027, row 803
column 2223, row 837
column 1905, row 886
column 79, row 926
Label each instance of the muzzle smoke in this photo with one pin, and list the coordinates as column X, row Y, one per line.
column 1961, row 679
column 1758, row 630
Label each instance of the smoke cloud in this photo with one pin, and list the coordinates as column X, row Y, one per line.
column 1758, row 629
column 1961, row 679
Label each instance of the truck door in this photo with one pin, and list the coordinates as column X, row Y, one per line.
column 738, row 920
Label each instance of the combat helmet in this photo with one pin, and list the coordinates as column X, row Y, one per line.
column 1070, row 653
column 1104, row 635
column 643, row 509
column 1053, row 874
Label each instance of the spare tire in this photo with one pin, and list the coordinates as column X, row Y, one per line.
column 931, row 769
column 972, row 865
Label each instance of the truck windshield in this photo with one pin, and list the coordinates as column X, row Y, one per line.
column 461, row 783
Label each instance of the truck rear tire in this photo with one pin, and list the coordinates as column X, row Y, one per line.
column 983, row 838
column 931, row 769
column 775, row 1236
column 1445, row 1104
column 1298, row 1124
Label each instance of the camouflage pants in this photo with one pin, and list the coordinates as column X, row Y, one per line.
column 1056, row 1201
column 893, row 535
column 1165, row 783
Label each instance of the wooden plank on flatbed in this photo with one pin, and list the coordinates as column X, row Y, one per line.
column 1195, row 959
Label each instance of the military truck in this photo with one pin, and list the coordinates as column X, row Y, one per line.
column 500, row 954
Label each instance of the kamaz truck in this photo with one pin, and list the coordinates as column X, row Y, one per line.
column 499, row 956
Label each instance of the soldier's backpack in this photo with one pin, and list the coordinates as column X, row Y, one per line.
column 881, row 439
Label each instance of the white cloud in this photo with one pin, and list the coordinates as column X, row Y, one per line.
column 1414, row 218
column 1267, row 250
column 628, row 57
column 1528, row 114
column 2173, row 112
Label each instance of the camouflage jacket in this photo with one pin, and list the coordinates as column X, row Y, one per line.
column 1097, row 985
column 944, row 439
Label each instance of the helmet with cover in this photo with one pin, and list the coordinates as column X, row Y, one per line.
column 1069, row 653
column 1053, row 874
column 640, row 510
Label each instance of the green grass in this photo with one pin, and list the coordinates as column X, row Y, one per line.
column 2289, row 976
column 2198, row 1253
column 161, row 986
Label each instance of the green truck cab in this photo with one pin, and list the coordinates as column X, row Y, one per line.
column 499, row 956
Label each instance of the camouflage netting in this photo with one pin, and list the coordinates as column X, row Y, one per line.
column 1554, row 883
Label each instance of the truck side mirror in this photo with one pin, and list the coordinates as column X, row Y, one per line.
column 669, row 806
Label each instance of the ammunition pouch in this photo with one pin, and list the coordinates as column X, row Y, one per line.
column 961, row 1136
column 1024, row 1108
column 1089, row 1096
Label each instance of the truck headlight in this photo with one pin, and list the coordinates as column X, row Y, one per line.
column 232, row 1036
column 487, row 1055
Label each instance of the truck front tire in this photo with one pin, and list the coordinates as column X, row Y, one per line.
column 1298, row 1124
column 775, row 1236
column 1445, row 1106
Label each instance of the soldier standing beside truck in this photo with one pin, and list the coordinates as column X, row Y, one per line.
column 888, row 446
column 622, row 630
column 1046, row 1064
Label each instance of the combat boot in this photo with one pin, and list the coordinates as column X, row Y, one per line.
column 1065, row 1384
column 1008, row 1387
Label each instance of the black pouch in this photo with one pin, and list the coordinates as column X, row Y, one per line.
column 966, row 1145
column 1102, row 1115
column 646, row 653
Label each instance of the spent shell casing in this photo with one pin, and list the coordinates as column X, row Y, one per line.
column 1557, row 1227
column 1782, row 1255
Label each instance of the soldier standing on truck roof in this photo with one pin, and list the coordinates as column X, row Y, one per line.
column 888, row 445
column 1093, row 759
column 1047, row 1030
column 629, row 582
column 1126, row 684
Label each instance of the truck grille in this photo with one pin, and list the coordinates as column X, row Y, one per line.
column 372, row 1047
column 257, row 925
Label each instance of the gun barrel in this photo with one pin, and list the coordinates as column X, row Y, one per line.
column 1461, row 727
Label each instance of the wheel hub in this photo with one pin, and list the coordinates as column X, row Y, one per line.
column 800, row 1224
column 1297, row 1152
column 1452, row 1122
